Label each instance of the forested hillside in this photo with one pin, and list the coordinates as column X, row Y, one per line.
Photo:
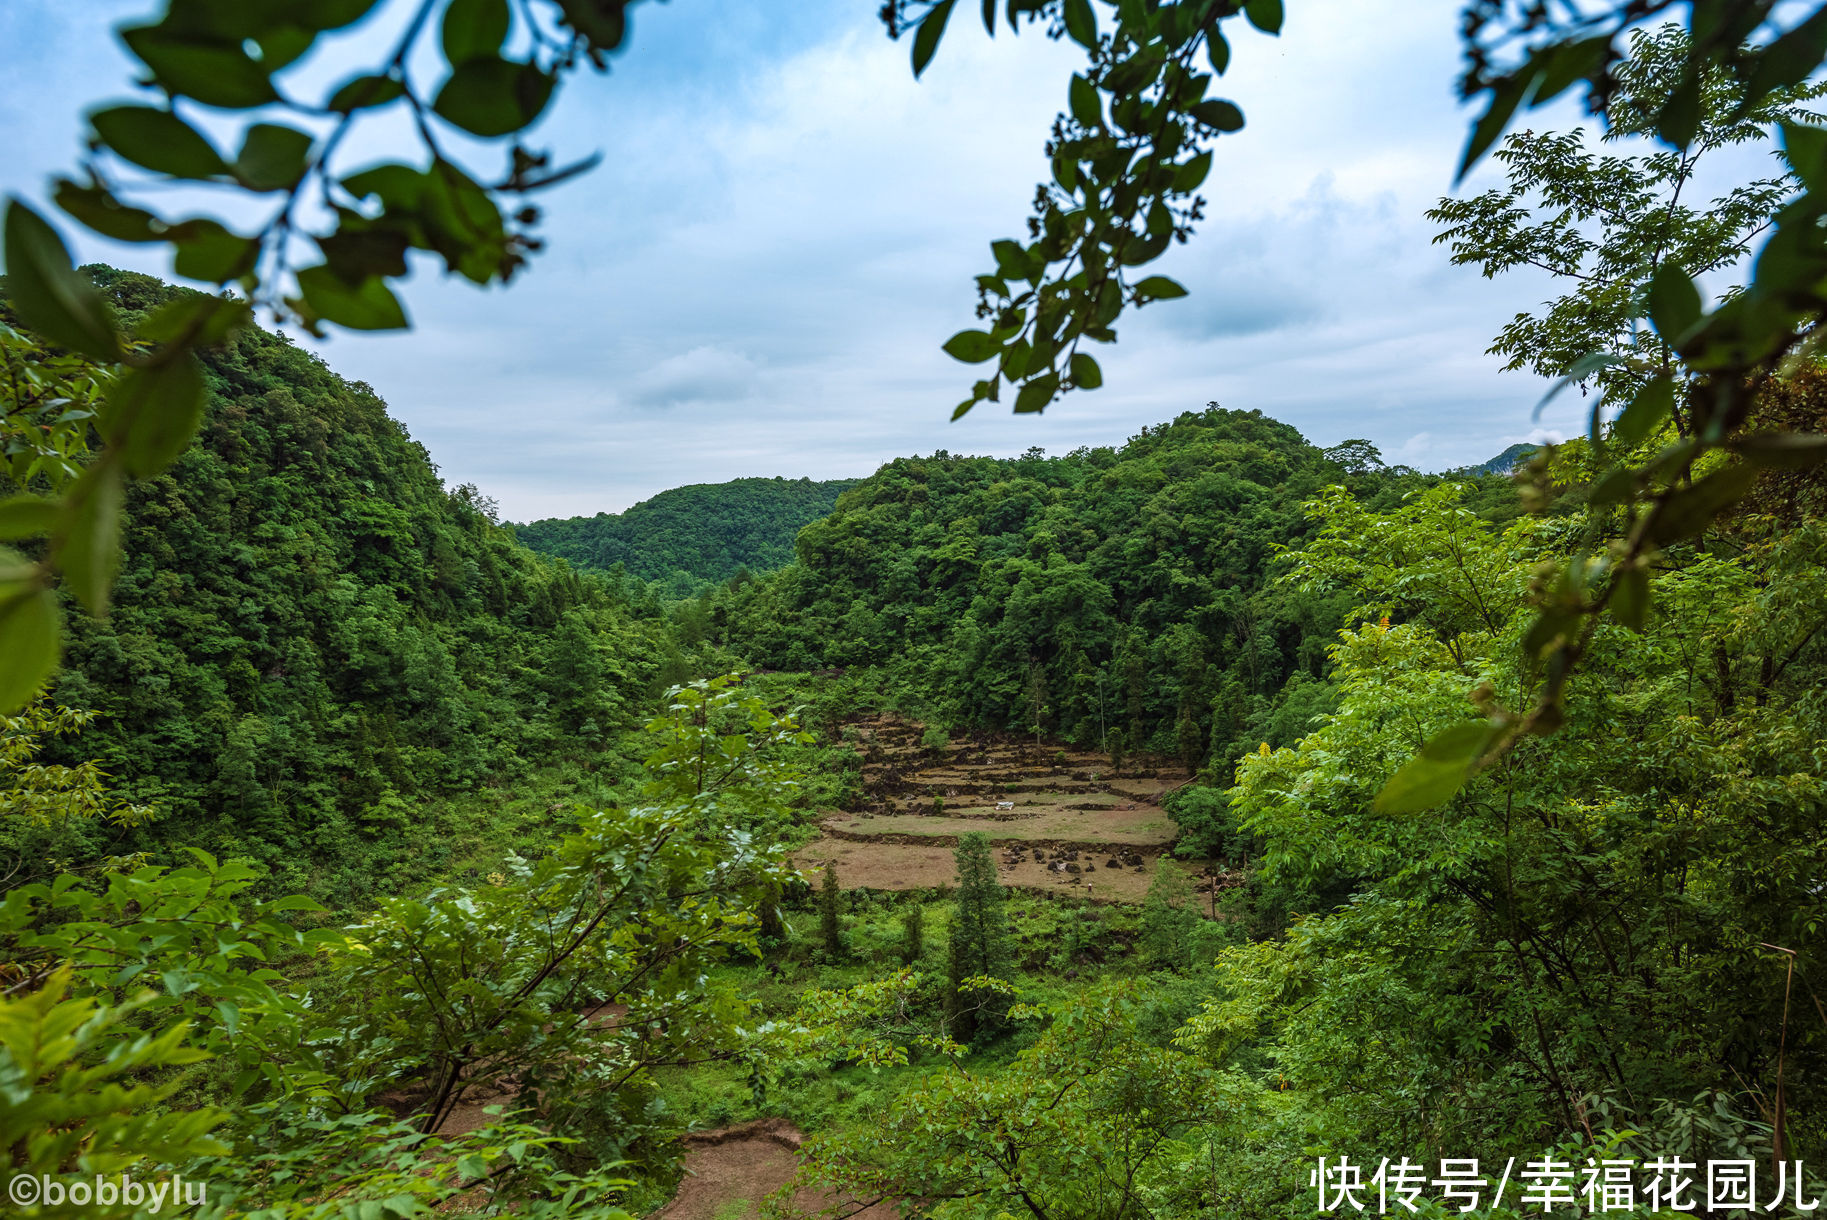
column 687, row 535
column 311, row 636
column 1120, row 597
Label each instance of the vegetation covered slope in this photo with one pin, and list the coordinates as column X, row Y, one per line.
column 309, row 631
column 1116, row 597
column 707, row 531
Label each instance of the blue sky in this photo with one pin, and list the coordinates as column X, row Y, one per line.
column 785, row 226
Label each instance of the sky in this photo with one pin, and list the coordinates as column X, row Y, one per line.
column 785, row 226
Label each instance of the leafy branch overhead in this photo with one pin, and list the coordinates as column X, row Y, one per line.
column 1129, row 152
column 330, row 240
column 1684, row 446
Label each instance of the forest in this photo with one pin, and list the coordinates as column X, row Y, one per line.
column 1208, row 822
column 687, row 536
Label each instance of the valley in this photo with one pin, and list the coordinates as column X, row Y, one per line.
column 1061, row 821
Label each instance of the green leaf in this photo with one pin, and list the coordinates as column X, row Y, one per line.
column 1087, row 107
column 1567, row 62
column 1651, row 405
column 928, row 33
column 1139, row 250
column 30, row 639
column 369, row 305
column 1219, row 114
column 330, row 14
column 1798, row 450
column 159, row 408
column 1506, row 96
column 272, row 157
column 1687, row 513
column 51, row 297
column 216, row 73
column 1679, row 121
column 356, row 254
column 195, row 319
column 1217, row 49
column 1011, row 259
column 1086, row 375
column 102, row 212
column 1159, row 288
column 1612, row 488
column 285, row 45
column 1265, row 15
column 27, row 517
column 362, row 92
column 91, row 551
column 1081, row 23
column 214, row 255
column 1630, row 598
column 398, row 187
column 474, row 29
column 1805, row 149
column 972, row 346
column 157, row 140
column 493, row 97
column 1674, row 303
column 1789, row 60
column 1036, row 394
column 1438, row 771
column 1192, row 175
column 601, row 21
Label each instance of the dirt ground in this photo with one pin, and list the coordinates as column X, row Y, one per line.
column 910, row 866
column 1051, row 797
column 1134, row 824
column 729, row 1172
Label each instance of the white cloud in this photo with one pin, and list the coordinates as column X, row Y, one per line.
column 785, row 227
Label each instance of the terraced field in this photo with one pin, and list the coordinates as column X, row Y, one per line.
column 1059, row 819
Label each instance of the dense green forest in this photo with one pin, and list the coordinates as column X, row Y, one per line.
column 313, row 639
column 1211, row 825
column 1122, row 598
column 502, row 793
column 686, row 536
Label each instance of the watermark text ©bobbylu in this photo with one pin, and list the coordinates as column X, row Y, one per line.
column 105, row 1190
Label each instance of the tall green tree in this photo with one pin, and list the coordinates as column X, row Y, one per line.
column 1168, row 917
column 1604, row 223
column 982, row 946
column 1584, row 927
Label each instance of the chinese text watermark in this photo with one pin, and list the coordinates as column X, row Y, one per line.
column 1665, row 1183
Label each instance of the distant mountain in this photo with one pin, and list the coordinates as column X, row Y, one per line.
column 1504, row 462
column 707, row 531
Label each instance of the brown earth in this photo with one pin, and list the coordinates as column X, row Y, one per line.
column 729, row 1172
column 1059, row 801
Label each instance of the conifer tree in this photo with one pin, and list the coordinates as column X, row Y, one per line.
column 981, row 943
column 1168, row 917
column 828, row 897
column 913, row 934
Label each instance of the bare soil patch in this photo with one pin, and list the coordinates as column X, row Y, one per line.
column 1061, row 823
column 881, row 865
column 728, row 1172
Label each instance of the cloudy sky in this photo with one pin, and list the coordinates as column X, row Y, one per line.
column 785, row 226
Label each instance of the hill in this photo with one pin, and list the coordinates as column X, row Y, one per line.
column 704, row 532
column 312, row 637
column 1117, row 598
column 1503, row 463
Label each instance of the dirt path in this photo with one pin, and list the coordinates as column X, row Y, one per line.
column 729, row 1172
